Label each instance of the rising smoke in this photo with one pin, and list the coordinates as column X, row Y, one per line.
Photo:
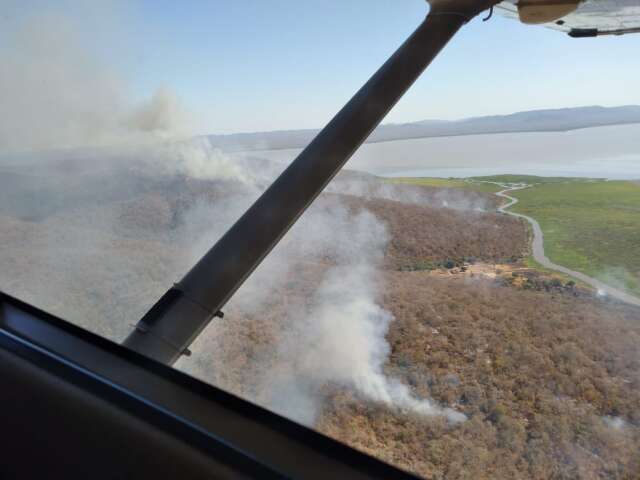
column 55, row 93
column 334, row 335
column 323, row 282
column 342, row 341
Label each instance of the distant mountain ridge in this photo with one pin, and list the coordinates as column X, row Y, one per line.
column 549, row 120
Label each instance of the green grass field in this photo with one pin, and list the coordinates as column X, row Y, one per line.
column 590, row 226
column 530, row 179
column 448, row 183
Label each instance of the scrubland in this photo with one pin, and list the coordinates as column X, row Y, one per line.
column 544, row 379
column 546, row 374
column 480, row 186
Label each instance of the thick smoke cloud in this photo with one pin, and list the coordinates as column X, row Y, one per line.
column 342, row 341
column 55, row 93
column 335, row 335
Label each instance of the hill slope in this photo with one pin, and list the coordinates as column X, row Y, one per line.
column 530, row 121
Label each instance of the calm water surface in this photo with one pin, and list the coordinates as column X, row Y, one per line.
column 609, row 152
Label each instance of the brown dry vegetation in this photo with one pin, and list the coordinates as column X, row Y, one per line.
column 537, row 371
column 426, row 237
column 537, row 374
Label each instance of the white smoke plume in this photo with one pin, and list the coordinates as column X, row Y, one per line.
column 370, row 187
column 196, row 158
column 56, row 93
column 342, row 341
column 320, row 289
column 617, row 423
column 334, row 336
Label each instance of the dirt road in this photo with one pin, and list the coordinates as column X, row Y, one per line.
column 541, row 258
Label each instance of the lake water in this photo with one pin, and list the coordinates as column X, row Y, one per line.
column 607, row 152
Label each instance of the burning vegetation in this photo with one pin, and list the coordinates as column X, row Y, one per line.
column 398, row 319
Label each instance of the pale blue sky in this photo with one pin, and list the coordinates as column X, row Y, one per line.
column 246, row 65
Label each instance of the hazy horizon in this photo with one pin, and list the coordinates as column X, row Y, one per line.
column 243, row 67
column 451, row 120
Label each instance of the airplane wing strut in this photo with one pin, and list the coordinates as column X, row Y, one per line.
column 168, row 329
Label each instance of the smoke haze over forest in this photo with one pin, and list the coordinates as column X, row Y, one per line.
column 403, row 320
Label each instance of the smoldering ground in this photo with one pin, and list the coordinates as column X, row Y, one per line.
column 123, row 234
column 333, row 328
column 108, row 228
column 309, row 317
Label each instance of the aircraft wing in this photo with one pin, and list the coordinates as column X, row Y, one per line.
column 588, row 18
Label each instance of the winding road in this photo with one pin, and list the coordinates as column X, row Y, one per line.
column 541, row 258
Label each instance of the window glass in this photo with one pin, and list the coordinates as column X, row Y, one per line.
column 462, row 301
